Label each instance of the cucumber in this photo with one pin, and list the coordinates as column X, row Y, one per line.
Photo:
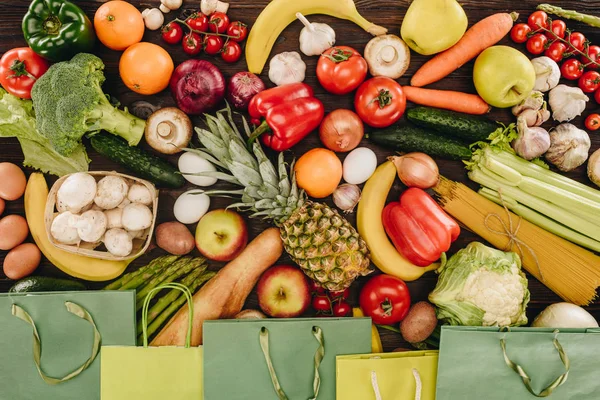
column 411, row 138
column 464, row 127
column 143, row 164
column 45, row 284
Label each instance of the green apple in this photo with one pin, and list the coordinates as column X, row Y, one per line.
column 503, row 76
column 431, row 26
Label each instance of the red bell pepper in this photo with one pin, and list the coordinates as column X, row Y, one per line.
column 290, row 113
column 418, row 227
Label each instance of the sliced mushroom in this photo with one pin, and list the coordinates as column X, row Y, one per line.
column 387, row 55
column 168, row 130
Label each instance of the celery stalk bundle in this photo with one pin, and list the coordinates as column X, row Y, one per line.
column 560, row 205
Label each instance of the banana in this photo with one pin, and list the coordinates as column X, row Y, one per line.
column 383, row 253
column 376, row 346
column 90, row 269
column 280, row 13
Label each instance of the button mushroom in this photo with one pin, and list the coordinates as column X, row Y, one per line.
column 167, row 6
column 168, row 130
column 136, row 217
column 63, row 228
column 91, row 225
column 76, row 192
column 118, row 242
column 210, row 6
column 112, row 190
column 139, row 193
column 387, row 55
column 153, row 18
column 113, row 218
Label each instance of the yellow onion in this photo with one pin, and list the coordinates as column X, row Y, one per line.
column 417, row 170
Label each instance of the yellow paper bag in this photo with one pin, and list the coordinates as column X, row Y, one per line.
column 153, row 373
column 387, row 376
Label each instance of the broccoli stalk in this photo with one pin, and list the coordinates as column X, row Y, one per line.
column 69, row 102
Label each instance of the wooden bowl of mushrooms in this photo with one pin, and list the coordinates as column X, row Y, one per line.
column 101, row 214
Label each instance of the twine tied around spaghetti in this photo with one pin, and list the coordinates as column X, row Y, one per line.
column 511, row 232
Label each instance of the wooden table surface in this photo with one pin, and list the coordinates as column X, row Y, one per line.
column 387, row 13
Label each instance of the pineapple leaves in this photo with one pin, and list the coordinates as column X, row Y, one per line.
column 204, row 154
column 284, row 182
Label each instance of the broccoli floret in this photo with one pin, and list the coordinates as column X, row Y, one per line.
column 69, row 102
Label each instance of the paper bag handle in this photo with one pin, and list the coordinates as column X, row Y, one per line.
column 74, row 309
column 150, row 295
column 527, row 380
column 319, row 354
column 418, row 385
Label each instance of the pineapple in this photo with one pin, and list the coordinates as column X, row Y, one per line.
column 323, row 243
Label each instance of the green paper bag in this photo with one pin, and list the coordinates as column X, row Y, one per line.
column 69, row 327
column 272, row 359
column 521, row 363
column 153, row 373
column 387, row 376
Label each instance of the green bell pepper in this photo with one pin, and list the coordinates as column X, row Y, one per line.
column 57, row 29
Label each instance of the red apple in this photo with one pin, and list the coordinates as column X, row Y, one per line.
column 221, row 235
column 283, row 292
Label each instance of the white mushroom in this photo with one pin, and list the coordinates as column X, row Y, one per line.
column 210, row 6
column 170, row 5
column 64, row 229
column 139, row 193
column 76, row 192
column 113, row 218
column 124, row 203
column 136, row 217
column 153, row 18
column 91, row 225
column 112, row 190
column 387, row 55
column 138, row 234
column 168, row 130
column 118, row 242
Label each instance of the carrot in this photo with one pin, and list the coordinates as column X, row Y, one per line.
column 224, row 295
column 479, row 37
column 447, row 99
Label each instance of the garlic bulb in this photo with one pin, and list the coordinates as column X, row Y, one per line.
column 531, row 142
column 287, row 67
column 567, row 102
column 533, row 109
column 315, row 38
column 547, row 73
column 346, row 197
column 569, row 147
column 593, row 167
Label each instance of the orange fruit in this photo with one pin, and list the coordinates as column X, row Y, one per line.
column 318, row 172
column 146, row 68
column 118, row 25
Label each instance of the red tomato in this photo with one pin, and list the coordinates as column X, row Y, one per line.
column 571, row 69
column 556, row 51
column 321, row 303
column 238, row 31
column 172, row 33
column 341, row 309
column 559, row 28
column 316, row 288
column 19, row 69
column 341, row 69
column 343, row 294
column 219, row 22
column 592, row 122
column 592, row 55
column 537, row 44
column 577, row 41
column 213, row 44
column 198, row 22
column 385, row 299
column 590, row 81
column 519, row 32
column 380, row 102
column 231, row 52
column 192, row 43
column 538, row 19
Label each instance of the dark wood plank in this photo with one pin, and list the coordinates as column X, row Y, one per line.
column 388, row 13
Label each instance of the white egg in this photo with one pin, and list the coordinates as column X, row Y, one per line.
column 191, row 206
column 190, row 163
column 359, row 165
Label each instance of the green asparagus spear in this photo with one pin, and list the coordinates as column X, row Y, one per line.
column 156, row 279
column 127, row 281
column 571, row 14
column 139, row 281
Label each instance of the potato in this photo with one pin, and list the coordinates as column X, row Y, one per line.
column 174, row 238
column 420, row 322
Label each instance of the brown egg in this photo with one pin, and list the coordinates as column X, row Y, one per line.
column 12, row 181
column 13, row 231
column 22, row 261
column 2, row 204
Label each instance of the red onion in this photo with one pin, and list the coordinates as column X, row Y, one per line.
column 197, row 86
column 242, row 87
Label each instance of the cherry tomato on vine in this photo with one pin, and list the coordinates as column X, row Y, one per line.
column 19, row 69
column 593, row 54
column 316, row 288
column 238, row 31
column 321, row 303
column 218, row 22
column 198, row 22
column 172, row 33
column 538, row 19
column 341, row 309
column 589, row 82
column 558, row 27
column 556, row 51
column 385, row 299
column 577, row 40
column 519, row 33
column 380, row 101
column 592, row 122
column 213, row 44
column 192, row 43
column 537, row 44
column 343, row 294
column 231, row 52
column 571, row 69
